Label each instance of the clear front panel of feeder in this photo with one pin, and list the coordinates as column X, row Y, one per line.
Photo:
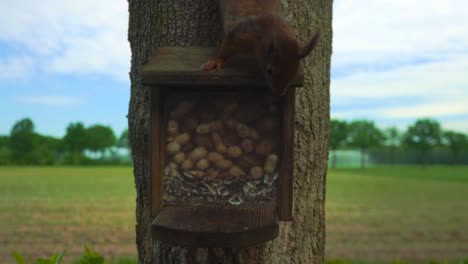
column 221, row 148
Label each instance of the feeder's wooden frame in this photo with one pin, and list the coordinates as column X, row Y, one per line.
column 174, row 67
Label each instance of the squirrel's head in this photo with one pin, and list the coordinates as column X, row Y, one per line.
column 279, row 58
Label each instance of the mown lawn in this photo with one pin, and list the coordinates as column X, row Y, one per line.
column 47, row 210
column 406, row 213
column 373, row 215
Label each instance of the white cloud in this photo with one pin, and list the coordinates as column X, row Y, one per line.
column 15, row 67
column 90, row 37
column 455, row 106
column 85, row 55
column 437, row 90
column 84, row 37
column 435, row 79
column 50, row 100
column 410, row 56
column 369, row 31
column 457, row 125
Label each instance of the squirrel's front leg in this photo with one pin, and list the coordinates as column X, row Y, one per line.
column 226, row 50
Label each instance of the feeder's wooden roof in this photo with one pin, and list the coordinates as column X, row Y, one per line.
column 220, row 226
column 180, row 66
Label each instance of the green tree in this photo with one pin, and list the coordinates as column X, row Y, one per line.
column 47, row 150
column 124, row 140
column 363, row 134
column 393, row 141
column 75, row 139
column 4, row 141
column 22, row 141
column 456, row 142
column 100, row 138
column 5, row 154
column 74, row 143
column 423, row 135
column 338, row 136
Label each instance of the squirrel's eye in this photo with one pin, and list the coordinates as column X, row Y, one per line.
column 269, row 69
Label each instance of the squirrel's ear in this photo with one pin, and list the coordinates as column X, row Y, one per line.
column 309, row 46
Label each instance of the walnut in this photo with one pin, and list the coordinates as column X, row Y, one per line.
column 256, row 172
column 234, row 151
column 270, row 163
column 173, row 147
column 203, row 164
column 172, row 127
column 198, row 153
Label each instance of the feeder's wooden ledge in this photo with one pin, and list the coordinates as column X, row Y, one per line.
column 180, row 66
column 218, row 226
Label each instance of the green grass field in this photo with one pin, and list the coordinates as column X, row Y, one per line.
column 46, row 210
column 378, row 214
column 408, row 213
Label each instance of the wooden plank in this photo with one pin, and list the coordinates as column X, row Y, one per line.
column 220, row 226
column 180, row 66
column 285, row 195
column 156, row 151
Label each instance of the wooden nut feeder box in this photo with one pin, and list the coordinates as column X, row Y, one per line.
column 221, row 150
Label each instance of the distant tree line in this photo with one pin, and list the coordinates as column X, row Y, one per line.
column 424, row 142
column 96, row 144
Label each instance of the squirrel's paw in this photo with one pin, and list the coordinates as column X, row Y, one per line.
column 214, row 64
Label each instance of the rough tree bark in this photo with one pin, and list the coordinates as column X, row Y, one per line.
column 195, row 22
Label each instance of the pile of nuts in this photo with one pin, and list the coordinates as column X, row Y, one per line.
column 222, row 148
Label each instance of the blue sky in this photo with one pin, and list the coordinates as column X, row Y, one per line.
column 393, row 61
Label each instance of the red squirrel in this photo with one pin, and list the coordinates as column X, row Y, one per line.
column 255, row 27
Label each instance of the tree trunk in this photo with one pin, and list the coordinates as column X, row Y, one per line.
column 195, row 22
